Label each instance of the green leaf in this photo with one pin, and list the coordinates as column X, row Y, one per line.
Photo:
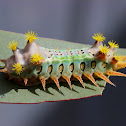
column 11, row 92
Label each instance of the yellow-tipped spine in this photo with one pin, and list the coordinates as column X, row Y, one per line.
column 117, row 57
column 17, row 68
column 31, row 36
column 98, row 37
column 113, row 44
column 13, row 45
column 36, row 58
column 104, row 49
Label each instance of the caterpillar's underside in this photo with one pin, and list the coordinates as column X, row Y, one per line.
column 34, row 64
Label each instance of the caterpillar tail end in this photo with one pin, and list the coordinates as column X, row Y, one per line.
column 123, row 58
column 120, row 65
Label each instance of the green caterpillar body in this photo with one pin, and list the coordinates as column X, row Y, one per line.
column 34, row 64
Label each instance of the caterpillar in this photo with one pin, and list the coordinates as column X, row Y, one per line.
column 35, row 65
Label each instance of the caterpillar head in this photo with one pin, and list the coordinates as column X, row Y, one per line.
column 107, row 53
column 23, row 60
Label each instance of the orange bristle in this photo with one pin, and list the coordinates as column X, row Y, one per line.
column 102, row 76
column 68, row 81
column 90, row 77
column 25, row 81
column 114, row 73
column 80, row 79
column 56, row 82
column 43, row 82
column 120, row 65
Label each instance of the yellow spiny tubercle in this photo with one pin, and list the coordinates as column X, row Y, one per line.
column 30, row 36
column 36, row 58
column 17, row 68
column 118, row 57
column 98, row 37
column 113, row 44
column 13, row 45
column 104, row 49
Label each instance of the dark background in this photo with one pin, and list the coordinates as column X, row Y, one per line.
column 76, row 21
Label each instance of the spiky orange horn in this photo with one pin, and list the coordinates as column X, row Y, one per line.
column 102, row 76
column 120, row 65
column 43, row 81
column 123, row 58
column 114, row 73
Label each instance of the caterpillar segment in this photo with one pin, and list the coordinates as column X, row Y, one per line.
column 35, row 64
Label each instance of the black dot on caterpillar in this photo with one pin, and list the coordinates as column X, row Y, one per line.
column 61, row 68
column 50, row 69
column 93, row 64
column 104, row 64
column 71, row 67
column 82, row 66
column 39, row 69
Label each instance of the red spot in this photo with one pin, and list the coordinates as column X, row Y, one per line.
column 101, row 56
column 114, row 61
column 42, row 60
column 37, row 45
column 56, row 48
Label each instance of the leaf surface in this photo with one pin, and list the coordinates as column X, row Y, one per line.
column 11, row 92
